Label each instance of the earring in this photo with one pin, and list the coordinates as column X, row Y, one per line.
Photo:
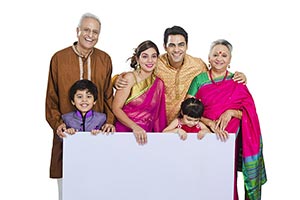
column 138, row 67
column 228, row 66
column 209, row 66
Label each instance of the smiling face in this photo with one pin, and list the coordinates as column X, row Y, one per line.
column 176, row 48
column 219, row 57
column 88, row 33
column 83, row 101
column 148, row 59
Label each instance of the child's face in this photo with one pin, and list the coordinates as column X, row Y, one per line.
column 83, row 101
column 190, row 121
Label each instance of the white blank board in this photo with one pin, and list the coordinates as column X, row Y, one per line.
column 115, row 167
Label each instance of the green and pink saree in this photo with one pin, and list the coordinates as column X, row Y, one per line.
column 220, row 95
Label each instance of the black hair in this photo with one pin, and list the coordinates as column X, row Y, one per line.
column 83, row 85
column 142, row 47
column 175, row 30
column 191, row 107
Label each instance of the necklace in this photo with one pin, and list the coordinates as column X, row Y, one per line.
column 218, row 83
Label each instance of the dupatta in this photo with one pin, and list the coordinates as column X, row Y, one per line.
column 146, row 106
column 228, row 94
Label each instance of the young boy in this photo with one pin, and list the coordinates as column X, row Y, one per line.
column 83, row 95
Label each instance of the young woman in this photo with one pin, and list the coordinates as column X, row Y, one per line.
column 140, row 107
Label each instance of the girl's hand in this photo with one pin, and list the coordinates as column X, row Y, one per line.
column 201, row 134
column 182, row 134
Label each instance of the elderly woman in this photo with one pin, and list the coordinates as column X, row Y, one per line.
column 229, row 108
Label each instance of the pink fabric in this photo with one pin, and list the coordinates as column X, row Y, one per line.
column 232, row 95
column 148, row 110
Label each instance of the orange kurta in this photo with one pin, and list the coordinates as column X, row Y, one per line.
column 177, row 81
column 64, row 71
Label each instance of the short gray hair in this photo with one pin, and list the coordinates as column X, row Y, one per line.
column 222, row 42
column 88, row 15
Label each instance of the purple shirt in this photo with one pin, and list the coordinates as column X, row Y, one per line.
column 91, row 121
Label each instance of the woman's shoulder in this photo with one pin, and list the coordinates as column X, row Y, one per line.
column 159, row 80
column 128, row 74
column 130, row 77
column 203, row 76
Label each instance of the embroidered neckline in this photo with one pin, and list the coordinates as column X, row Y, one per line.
column 81, row 62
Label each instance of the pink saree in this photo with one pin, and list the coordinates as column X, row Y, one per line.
column 223, row 95
column 146, row 106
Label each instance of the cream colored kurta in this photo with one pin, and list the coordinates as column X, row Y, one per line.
column 177, row 81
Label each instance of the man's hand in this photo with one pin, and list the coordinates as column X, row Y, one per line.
column 240, row 77
column 60, row 130
column 120, row 82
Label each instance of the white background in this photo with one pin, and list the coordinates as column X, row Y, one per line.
column 265, row 39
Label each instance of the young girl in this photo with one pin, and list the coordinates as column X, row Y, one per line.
column 140, row 107
column 188, row 120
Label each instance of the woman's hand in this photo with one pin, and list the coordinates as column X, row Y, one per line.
column 224, row 119
column 221, row 134
column 140, row 135
column 108, row 128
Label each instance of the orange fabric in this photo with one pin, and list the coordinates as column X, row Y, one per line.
column 177, row 81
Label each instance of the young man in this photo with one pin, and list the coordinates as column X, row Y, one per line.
column 177, row 69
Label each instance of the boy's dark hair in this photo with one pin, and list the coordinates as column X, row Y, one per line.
column 191, row 107
column 83, row 85
column 175, row 30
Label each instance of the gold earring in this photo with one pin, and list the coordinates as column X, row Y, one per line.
column 138, row 67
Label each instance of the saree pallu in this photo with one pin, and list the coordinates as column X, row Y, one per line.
column 223, row 95
column 146, row 106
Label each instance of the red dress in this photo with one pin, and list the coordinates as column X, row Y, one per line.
column 193, row 129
